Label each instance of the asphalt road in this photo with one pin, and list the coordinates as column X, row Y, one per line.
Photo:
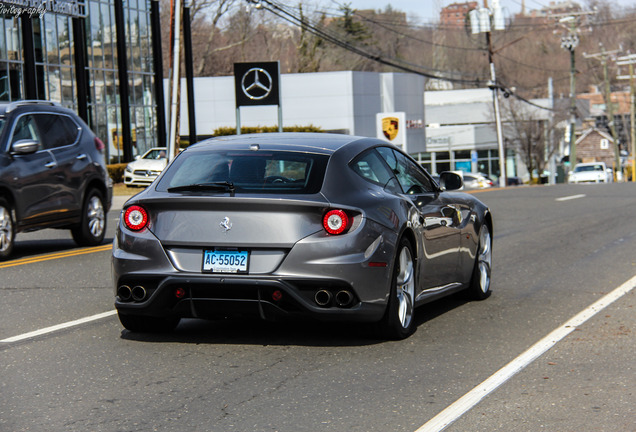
column 553, row 258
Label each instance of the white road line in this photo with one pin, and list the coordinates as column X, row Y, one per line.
column 571, row 197
column 473, row 397
column 58, row 327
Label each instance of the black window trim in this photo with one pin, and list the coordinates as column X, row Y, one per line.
column 18, row 116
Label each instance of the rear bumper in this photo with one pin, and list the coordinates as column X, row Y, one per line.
column 317, row 265
column 269, row 298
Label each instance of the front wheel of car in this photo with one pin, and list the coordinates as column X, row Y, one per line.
column 92, row 227
column 7, row 230
column 479, row 288
column 146, row 324
column 398, row 321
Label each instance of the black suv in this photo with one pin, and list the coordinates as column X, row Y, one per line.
column 52, row 174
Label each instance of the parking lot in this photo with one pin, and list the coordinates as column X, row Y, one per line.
column 557, row 251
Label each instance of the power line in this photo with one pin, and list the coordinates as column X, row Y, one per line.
column 282, row 12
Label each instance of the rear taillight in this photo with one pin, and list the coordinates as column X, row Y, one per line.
column 136, row 218
column 335, row 222
column 99, row 145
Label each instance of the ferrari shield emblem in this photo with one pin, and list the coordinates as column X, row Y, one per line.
column 390, row 127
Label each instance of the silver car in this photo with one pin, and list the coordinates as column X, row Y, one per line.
column 331, row 227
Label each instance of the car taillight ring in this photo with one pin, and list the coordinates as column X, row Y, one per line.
column 136, row 218
column 336, row 221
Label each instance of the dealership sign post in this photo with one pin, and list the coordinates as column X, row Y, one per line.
column 257, row 84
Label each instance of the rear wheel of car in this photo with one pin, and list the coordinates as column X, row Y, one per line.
column 399, row 317
column 92, row 227
column 145, row 324
column 479, row 288
column 7, row 230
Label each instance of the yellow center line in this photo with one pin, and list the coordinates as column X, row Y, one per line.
column 59, row 255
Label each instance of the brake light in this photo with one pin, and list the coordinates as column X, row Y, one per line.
column 335, row 222
column 136, row 218
column 99, row 145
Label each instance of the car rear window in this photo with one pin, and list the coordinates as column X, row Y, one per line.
column 260, row 172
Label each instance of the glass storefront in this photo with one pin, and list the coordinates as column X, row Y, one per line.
column 11, row 63
column 53, row 35
column 461, row 160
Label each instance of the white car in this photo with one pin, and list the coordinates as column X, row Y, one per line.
column 593, row 172
column 145, row 169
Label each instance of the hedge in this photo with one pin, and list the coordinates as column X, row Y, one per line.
column 116, row 172
column 229, row 130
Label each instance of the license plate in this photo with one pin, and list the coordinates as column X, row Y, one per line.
column 225, row 261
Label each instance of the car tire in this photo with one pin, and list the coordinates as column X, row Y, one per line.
column 479, row 288
column 92, row 227
column 7, row 230
column 146, row 324
column 398, row 321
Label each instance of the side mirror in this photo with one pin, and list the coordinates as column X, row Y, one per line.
column 25, row 147
column 450, row 181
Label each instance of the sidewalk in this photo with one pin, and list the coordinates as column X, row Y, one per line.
column 119, row 200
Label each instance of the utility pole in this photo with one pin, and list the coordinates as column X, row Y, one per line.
column 570, row 42
column 609, row 105
column 480, row 22
column 630, row 60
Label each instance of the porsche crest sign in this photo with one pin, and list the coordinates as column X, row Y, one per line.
column 392, row 127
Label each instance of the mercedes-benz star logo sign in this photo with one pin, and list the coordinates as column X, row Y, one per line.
column 256, row 83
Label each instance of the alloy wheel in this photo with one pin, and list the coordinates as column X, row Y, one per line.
column 405, row 287
column 484, row 259
column 6, row 229
column 95, row 216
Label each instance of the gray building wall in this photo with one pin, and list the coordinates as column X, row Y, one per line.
column 345, row 102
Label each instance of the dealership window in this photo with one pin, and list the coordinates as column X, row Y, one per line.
column 55, row 73
column 105, row 102
column 11, row 63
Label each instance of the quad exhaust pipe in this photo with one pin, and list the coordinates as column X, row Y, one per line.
column 138, row 293
column 124, row 292
column 323, row 297
column 343, row 298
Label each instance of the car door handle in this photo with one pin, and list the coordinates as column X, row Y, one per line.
column 50, row 165
column 80, row 156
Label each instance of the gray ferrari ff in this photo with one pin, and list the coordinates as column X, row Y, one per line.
column 331, row 227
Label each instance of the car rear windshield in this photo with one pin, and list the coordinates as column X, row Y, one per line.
column 587, row 168
column 260, row 172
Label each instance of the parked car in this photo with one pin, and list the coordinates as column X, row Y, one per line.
column 52, row 174
column 477, row 181
column 145, row 169
column 593, row 172
column 332, row 227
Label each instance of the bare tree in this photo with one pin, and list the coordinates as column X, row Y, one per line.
column 531, row 130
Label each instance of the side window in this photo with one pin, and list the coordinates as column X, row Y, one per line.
column 389, row 156
column 370, row 167
column 57, row 130
column 408, row 173
column 25, row 128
